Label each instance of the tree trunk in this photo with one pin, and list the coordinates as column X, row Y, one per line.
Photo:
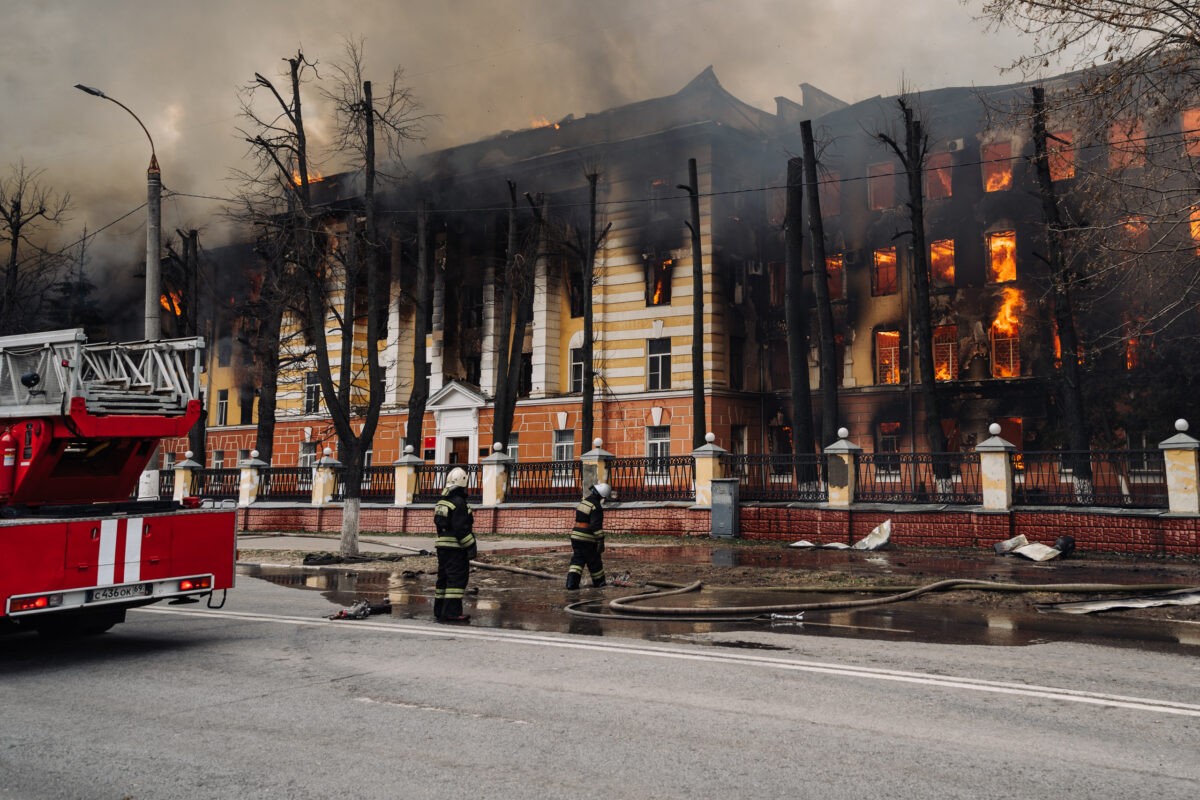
column 501, row 421
column 797, row 320
column 587, row 420
column 825, row 335
column 424, row 301
column 699, row 424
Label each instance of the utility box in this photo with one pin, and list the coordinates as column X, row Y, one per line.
column 724, row 518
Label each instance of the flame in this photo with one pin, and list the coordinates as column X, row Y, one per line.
column 997, row 166
column 314, row 176
column 941, row 262
column 942, row 372
column 172, row 301
column 660, row 280
column 542, row 122
column 1190, row 122
column 1194, row 227
column 1006, row 357
column 887, row 349
column 1007, row 320
column 1061, row 155
column 1002, row 256
column 945, row 353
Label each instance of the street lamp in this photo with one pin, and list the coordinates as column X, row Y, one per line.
column 153, row 241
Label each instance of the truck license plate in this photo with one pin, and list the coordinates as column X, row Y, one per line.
column 120, row 592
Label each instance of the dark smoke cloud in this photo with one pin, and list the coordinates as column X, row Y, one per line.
column 483, row 66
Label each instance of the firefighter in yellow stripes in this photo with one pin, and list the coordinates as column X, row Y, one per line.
column 587, row 538
column 455, row 548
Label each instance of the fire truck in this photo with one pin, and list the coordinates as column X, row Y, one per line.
column 79, row 422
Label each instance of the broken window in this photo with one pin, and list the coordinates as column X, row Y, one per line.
column 938, row 175
column 883, row 272
column 1006, row 335
column 658, row 280
column 945, row 353
column 887, row 357
column 997, row 166
column 941, row 262
column 829, row 193
column 658, row 364
column 1002, row 256
column 737, row 362
column 1126, row 145
column 881, row 186
column 835, row 269
column 1060, row 149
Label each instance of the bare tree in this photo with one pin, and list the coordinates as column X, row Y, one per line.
column 28, row 208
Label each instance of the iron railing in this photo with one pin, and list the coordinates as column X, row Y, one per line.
column 284, row 484
column 545, row 482
column 1106, row 478
column 218, row 483
column 378, row 483
column 431, row 479
column 774, row 477
column 166, row 484
column 654, row 478
column 918, row 478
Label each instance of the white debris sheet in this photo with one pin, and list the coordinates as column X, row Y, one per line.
column 877, row 539
column 1177, row 597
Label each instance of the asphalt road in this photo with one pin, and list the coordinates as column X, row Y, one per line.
column 267, row 699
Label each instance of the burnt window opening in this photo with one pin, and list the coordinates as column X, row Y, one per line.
column 1060, row 150
column 246, row 406
column 224, row 351
column 575, row 293
column 941, row 263
column 1126, row 145
column 997, row 163
column 656, row 193
column 471, row 365
column 525, row 382
column 938, row 176
column 1194, row 227
column 881, row 186
column 887, row 448
column 779, row 438
column 1002, row 256
column 658, row 364
column 658, row 279
column 777, row 283
column 1005, row 336
column 1135, row 232
column 829, row 193
column 737, row 362
column 835, row 270
column 887, row 357
column 945, row 353
column 883, row 272
column 778, row 367
column 472, row 306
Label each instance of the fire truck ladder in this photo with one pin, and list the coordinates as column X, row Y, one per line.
column 40, row 373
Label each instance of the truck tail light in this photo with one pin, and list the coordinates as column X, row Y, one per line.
column 192, row 584
column 37, row 602
column 190, row 501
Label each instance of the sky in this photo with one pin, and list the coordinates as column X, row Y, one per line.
column 480, row 66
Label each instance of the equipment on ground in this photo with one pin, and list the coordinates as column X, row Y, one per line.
column 79, row 423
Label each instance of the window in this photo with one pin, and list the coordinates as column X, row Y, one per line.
column 941, row 262
column 777, row 283
column 312, row 393
column 737, row 362
column 513, row 447
column 308, row 454
column 577, row 370
column 883, row 272
column 245, row 406
column 658, row 280
column 1190, row 123
column 945, row 353
column 657, row 192
column 1006, row 336
column 222, row 407
column 658, row 451
column 829, row 193
column 574, row 272
column 1194, row 227
column 997, row 166
column 881, row 186
column 937, row 176
column 1126, row 145
column 887, row 357
column 1002, row 256
column 887, row 450
column 1060, row 148
column 218, row 459
column 835, row 270
column 224, row 351
column 658, row 364
column 1135, row 232
column 168, row 460
column 564, row 454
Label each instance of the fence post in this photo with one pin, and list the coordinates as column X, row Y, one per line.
column 185, row 472
column 406, row 476
column 842, row 456
column 325, row 479
column 495, row 475
column 595, row 465
column 249, row 482
column 996, row 470
column 1183, row 475
column 708, row 468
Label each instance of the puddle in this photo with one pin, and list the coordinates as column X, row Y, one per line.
column 504, row 600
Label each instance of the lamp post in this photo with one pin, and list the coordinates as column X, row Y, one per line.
column 153, row 328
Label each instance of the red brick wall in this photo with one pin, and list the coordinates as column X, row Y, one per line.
column 1114, row 533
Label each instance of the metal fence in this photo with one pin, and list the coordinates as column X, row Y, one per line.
column 918, row 478
column 1107, row 478
column 431, row 479
column 218, row 483
column 378, row 484
column 656, row 478
column 545, row 482
column 778, row 477
column 284, row 484
column 166, row 484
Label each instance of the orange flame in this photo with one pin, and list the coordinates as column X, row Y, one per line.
column 172, row 301
column 542, row 122
column 1007, row 320
column 314, row 176
column 1006, row 355
column 1002, row 256
column 997, row 166
column 941, row 262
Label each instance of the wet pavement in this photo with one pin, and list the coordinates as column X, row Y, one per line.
column 522, row 602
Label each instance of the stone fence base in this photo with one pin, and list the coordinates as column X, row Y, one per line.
column 1128, row 533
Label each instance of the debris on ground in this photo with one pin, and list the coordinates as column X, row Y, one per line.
column 362, row 609
column 1178, row 597
column 877, row 539
column 324, row 558
column 1035, row 551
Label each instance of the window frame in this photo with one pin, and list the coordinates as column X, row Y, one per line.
column 880, row 287
column 658, row 364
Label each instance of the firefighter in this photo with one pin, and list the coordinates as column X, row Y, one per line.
column 455, row 548
column 587, row 538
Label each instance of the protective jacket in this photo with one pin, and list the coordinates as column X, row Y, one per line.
column 454, row 520
column 589, row 520
column 455, row 549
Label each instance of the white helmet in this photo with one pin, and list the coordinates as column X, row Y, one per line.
column 456, row 478
column 603, row 489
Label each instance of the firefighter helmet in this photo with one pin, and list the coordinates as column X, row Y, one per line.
column 456, row 478
column 603, row 489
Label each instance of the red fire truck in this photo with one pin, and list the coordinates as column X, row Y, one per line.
column 79, row 423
